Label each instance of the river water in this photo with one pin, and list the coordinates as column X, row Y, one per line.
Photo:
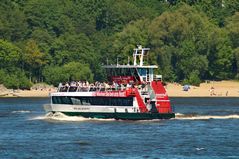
column 204, row 128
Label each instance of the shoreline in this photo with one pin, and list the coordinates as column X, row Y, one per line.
column 212, row 89
column 26, row 93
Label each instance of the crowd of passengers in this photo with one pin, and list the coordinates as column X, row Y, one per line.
column 85, row 86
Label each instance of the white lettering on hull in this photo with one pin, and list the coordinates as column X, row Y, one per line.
column 99, row 109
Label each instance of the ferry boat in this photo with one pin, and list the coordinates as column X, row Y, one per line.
column 134, row 93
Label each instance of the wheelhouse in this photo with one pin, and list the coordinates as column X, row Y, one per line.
column 137, row 73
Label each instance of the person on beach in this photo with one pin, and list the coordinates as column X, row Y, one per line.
column 212, row 91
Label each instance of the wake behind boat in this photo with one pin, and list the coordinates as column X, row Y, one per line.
column 133, row 93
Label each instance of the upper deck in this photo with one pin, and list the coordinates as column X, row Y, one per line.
column 100, row 90
column 137, row 73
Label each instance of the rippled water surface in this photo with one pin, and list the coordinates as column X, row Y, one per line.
column 205, row 128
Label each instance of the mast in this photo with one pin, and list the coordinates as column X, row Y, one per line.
column 139, row 54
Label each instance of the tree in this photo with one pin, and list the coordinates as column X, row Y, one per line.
column 220, row 55
column 10, row 55
column 78, row 71
column 232, row 27
column 43, row 39
column 115, row 15
column 71, row 71
column 14, row 79
column 13, row 24
column 68, row 48
column 49, row 15
column 135, row 33
column 179, row 42
column 34, row 59
column 54, row 75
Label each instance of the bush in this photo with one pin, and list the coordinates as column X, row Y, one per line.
column 69, row 72
column 55, row 74
column 15, row 79
column 193, row 79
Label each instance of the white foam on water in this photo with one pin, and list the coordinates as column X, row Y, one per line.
column 148, row 121
column 204, row 117
column 178, row 114
column 62, row 117
column 38, row 118
column 58, row 116
column 200, row 148
column 21, row 111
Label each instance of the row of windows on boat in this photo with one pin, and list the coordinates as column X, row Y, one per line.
column 126, row 71
column 106, row 101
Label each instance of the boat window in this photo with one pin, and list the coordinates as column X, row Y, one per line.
column 142, row 71
column 104, row 101
column 121, row 72
column 76, row 101
column 61, row 100
column 85, row 101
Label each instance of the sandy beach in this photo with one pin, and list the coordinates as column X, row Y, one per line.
column 209, row 89
column 26, row 93
column 38, row 90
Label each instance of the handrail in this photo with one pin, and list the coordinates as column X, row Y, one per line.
column 87, row 89
column 129, row 91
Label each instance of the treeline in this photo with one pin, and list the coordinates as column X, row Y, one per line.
column 52, row 41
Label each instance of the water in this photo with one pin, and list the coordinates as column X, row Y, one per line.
column 205, row 128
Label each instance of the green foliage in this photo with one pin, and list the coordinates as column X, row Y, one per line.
column 77, row 71
column 192, row 79
column 14, row 79
column 10, row 55
column 220, row 55
column 69, row 40
column 33, row 56
column 135, row 33
column 179, row 42
column 232, row 27
column 13, row 24
column 71, row 71
column 116, row 14
column 69, row 48
column 54, row 75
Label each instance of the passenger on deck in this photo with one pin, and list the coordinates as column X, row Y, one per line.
column 128, row 85
column 60, row 85
column 115, row 86
column 73, row 84
column 122, row 87
column 106, row 86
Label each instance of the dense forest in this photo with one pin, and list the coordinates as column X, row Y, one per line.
column 59, row 40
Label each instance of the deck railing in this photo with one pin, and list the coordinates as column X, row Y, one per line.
column 88, row 89
column 99, row 89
